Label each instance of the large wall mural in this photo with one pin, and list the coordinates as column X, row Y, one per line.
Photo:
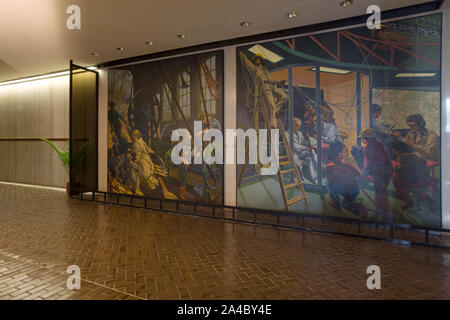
column 360, row 112
column 146, row 103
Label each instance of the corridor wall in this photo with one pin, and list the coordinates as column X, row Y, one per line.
column 30, row 110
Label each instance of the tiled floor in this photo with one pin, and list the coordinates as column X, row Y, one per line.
column 134, row 254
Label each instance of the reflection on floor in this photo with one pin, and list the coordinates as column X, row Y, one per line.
column 128, row 253
column 266, row 193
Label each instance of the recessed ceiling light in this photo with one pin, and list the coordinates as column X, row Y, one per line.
column 346, row 3
column 94, row 54
column 182, row 36
column 291, row 14
column 245, row 24
column 119, row 49
column 149, row 43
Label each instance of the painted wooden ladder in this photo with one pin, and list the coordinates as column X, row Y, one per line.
column 286, row 161
column 289, row 167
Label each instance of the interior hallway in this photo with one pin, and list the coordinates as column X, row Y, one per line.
column 135, row 254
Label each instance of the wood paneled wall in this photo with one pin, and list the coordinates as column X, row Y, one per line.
column 30, row 110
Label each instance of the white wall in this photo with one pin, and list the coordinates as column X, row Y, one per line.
column 445, row 138
column 230, row 121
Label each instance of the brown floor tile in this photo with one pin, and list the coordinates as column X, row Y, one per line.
column 136, row 254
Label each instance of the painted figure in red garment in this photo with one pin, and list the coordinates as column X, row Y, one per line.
column 377, row 163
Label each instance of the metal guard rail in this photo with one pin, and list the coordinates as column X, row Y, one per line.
column 92, row 196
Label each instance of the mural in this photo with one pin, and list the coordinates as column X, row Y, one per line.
column 359, row 115
column 146, row 102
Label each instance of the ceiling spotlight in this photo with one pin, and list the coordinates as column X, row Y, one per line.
column 119, row 49
column 94, row 54
column 245, row 24
column 149, row 43
column 291, row 14
column 182, row 36
column 346, row 3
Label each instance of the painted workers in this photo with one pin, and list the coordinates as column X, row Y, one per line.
column 183, row 173
column 266, row 90
column 142, row 153
column 377, row 164
column 133, row 174
column 119, row 125
column 211, row 173
column 342, row 181
column 309, row 118
column 330, row 132
column 422, row 140
column 383, row 129
column 305, row 156
column 411, row 173
column 150, row 174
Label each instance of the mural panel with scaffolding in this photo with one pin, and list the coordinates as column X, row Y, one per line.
column 360, row 112
column 147, row 102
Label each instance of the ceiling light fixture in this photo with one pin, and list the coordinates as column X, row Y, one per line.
column 119, row 49
column 149, row 43
column 346, row 3
column 94, row 54
column 245, row 24
column 331, row 70
column 182, row 36
column 267, row 54
column 291, row 14
column 415, row 75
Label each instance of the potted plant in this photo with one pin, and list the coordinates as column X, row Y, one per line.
column 78, row 158
column 62, row 155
